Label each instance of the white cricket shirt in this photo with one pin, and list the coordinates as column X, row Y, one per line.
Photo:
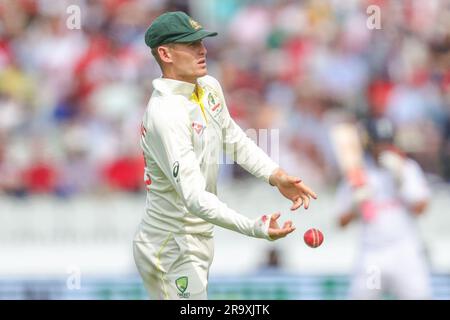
column 183, row 139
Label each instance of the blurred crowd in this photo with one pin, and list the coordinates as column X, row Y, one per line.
column 71, row 100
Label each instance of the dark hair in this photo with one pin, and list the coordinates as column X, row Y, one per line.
column 156, row 56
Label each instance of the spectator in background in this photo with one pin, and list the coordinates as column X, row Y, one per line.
column 97, row 76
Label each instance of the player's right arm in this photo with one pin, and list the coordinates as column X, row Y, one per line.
column 169, row 142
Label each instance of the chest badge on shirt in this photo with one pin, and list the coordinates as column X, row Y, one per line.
column 214, row 103
column 198, row 127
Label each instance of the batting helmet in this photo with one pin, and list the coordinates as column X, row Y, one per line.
column 380, row 130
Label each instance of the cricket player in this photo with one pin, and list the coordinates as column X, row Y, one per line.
column 393, row 193
column 184, row 131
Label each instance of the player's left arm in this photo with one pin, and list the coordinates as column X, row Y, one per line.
column 253, row 159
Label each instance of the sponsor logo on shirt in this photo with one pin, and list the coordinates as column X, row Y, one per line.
column 175, row 169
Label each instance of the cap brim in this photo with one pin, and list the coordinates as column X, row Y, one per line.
column 198, row 35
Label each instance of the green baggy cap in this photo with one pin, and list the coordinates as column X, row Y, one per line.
column 173, row 27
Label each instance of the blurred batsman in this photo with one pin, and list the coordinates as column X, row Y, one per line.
column 386, row 196
column 185, row 129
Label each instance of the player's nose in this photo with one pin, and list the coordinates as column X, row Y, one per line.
column 203, row 50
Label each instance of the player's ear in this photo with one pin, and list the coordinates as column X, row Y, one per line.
column 164, row 54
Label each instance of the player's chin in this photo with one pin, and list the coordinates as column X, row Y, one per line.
column 203, row 71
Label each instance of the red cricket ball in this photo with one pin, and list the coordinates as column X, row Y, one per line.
column 313, row 237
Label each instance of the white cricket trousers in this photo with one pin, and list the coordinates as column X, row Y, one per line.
column 173, row 266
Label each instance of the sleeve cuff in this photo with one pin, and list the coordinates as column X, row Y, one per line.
column 271, row 169
column 261, row 227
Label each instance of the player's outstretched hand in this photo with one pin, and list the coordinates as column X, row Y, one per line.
column 292, row 188
column 275, row 232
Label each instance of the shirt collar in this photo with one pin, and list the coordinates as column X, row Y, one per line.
column 176, row 87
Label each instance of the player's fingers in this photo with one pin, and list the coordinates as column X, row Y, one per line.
column 297, row 204
column 311, row 193
column 287, row 224
column 285, row 231
column 305, row 201
column 294, row 180
column 290, row 230
column 305, row 189
column 280, row 233
column 275, row 216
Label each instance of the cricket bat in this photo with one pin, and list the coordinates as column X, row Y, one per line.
column 349, row 153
